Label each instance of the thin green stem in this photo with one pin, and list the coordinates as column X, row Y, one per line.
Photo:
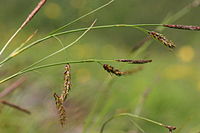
column 51, row 65
column 131, row 116
column 137, row 126
column 18, row 48
column 168, row 20
column 62, row 27
column 73, row 31
column 171, row 19
column 62, row 49
column 87, row 14
column 9, row 41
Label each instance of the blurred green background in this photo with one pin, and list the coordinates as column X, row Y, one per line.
column 172, row 79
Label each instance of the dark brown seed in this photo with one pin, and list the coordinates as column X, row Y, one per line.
column 184, row 27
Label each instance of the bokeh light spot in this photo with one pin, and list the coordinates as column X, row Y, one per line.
column 83, row 75
column 186, row 53
column 52, row 10
column 178, row 71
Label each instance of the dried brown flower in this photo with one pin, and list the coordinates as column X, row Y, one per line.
column 117, row 72
column 111, row 69
column 60, row 108
column 67, row 83
column 184, row 27
column 134, row 61
column 162, row 39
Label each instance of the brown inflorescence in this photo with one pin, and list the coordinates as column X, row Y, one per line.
column 61, row 99
column 162, row 39
column 184, row 27
column 117, row 72
column 67, row 83
column 134, row 61
column 60, row 108
column 111, row 69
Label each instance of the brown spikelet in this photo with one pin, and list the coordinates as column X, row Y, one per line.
column 134, row 61
column 67, row 83
column 111, row 69
column 117, row 72
column 61, row 109
column 162, row 39
column 183, row 27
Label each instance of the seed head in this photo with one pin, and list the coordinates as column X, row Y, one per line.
column 67, row 83
column 162, row 39
column 111, row 69
column 183, row 27
column 61, row 109
column 134, row 61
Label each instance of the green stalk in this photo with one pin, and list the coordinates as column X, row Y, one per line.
column 87, row 14
column 62, row 49
column 51, row 65
column 171, row 19
column 62, row 27
column 137, row 117
column 73, row 31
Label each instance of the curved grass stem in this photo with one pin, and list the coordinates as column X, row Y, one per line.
column 137, row 117
column 62, row 49
column 136, row 26
column 85, row 15
column 51, row 65
column 27, row 20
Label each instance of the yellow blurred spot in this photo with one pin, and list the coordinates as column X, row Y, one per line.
column 83, row 75
column 52, row 10
column 178, row 71
column 186, row 53
column 77, row 3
